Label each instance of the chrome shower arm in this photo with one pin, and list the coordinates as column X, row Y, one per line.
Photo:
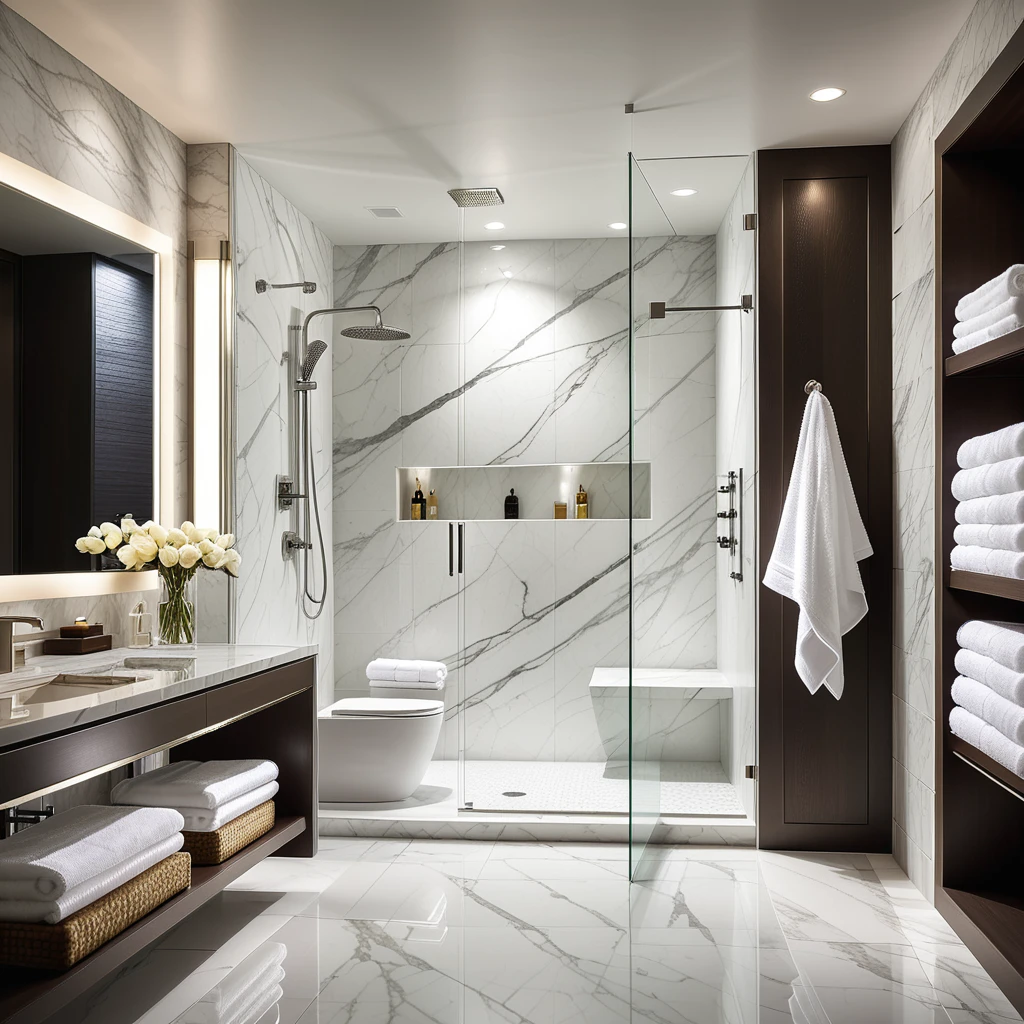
column 338, row 309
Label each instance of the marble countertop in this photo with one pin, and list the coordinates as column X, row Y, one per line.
column 125, row 679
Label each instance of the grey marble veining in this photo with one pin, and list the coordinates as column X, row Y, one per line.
column 209, row 191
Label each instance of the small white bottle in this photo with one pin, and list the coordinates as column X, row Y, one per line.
column 140, row 626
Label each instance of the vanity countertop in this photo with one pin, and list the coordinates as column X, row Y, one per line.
column 32, row 706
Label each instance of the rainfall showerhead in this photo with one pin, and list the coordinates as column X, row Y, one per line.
column 477, row 196
column 376, row 332
column 313, row 353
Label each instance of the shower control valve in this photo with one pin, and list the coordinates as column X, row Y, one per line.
column 292, row 542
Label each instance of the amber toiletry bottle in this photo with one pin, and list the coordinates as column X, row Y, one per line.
column 581, row 503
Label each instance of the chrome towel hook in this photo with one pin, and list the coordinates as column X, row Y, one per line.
column 811, row 385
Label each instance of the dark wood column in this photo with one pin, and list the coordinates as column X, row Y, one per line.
column 824, row 302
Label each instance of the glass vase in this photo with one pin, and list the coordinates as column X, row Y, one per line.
column 177, row 621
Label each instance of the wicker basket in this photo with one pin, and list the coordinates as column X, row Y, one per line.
column 59, row 946
column 215, row 847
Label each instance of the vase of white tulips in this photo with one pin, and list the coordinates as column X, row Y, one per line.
column 177, row 554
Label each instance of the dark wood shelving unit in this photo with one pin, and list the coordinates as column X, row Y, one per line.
column 30, row 997
column 979, row 232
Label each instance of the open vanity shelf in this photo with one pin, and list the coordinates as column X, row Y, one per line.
column 979, row 218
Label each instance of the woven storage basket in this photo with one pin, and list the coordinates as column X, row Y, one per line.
column 59, row 946
column 215, row 847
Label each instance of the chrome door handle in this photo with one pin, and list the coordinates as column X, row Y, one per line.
column 462, row 533
column 451, row 549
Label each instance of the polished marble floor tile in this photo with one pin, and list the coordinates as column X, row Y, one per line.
column 433, row 932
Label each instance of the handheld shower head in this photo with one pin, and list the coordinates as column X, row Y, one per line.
column 313, row 353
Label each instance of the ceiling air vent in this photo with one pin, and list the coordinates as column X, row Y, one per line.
column 385, row 212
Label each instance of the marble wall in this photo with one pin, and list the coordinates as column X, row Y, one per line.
column 60, row 117
column 533, row 369
column 275, row 241
column 986, row 31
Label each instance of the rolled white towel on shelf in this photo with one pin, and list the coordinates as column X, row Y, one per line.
column 1006, row 477
column 987, row 739
column 990, row 561
column 992, row 293
column 997, row 446
column 1007, row 325
column 1001, row 680
column 50, row 911
column 997, row 510
column 404, row 670
column 1003, row 642
column 992, row 709
column 195, row 783
column 70, row 849
column 1014, row 306
column 411, row 684
column 209, row 819
column 1006, row 538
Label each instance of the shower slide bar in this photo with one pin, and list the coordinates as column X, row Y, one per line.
column 659, row 309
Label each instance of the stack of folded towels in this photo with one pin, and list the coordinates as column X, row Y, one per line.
column 52, row 870
column 249, row 994
column 989, row 691
column 207, row 794
column 989, row 312
column 990, row 514
column 417, row 675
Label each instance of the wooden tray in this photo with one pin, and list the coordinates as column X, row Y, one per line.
column 78, row 645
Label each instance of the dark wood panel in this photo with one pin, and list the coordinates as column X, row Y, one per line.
column 984, row 583
column 10, row 374
column 979, row 759
column 824, row 280
column 248, row 695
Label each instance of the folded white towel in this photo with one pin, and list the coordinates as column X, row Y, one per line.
column 996, row 677
column 194, row 783
column 992, row 293
column 1003, row 642
column 1008, row 538
column 408, row 684
column 997, row 510
column 987, row 739
column 74, row 899
column 820, row 540
column 999, row 445
column 990, row 561
column 259, row 972
column 1013, row 306
column 996, row 711
column 1006, row 477
column 1005, row 326
column 404, row 670
column 260, row 1008
column 71, row 848
column 209, row 819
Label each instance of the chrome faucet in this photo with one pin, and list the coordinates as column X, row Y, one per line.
column 7, row 635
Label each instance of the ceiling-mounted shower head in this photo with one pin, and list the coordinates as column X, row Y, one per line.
column 376, row 332
column 313, row 353
column 477, row 196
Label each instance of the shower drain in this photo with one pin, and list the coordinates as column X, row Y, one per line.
column 513, row 792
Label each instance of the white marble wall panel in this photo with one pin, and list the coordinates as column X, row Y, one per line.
column 987, row 29
column 274, row 240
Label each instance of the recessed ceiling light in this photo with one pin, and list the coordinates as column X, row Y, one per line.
column 494, row 225
column 506, row 273
column 684, row 191
column 497, row 248
column 828, row 94
column 617, row 225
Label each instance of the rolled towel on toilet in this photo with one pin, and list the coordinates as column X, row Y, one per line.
column 1005, row 538
column 1003, row 642
column 990, row 561
column 991, row 294
column 992, row 709
column 987, row 739
column 997, row 510
column 400, row 670
column 1004, row 477
column 1002, row 680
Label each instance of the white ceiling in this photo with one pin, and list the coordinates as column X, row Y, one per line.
column 345, row 104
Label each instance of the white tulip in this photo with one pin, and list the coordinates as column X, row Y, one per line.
column 231, row 561
column 106, row 528
column 113, row 537
column 212, row 557
column 90, row 545
column 176, row 537
column 204, row 545
column 188, row 556
column 128, row 526
column 226, row 540
column 95, row 531
column 159, row 534
column 146, row 525
column 129, row 557
column 168, row 556
column 144, row 545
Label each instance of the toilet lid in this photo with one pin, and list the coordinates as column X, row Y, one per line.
column 384, row 707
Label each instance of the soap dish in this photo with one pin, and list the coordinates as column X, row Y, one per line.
column 78, row 645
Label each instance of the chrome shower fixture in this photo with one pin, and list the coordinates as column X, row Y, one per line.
column 477, row 197
column 308, row 287
column 313, row 353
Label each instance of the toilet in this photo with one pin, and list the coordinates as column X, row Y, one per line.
column 376, row 749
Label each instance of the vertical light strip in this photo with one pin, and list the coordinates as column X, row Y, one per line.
column 207, row 437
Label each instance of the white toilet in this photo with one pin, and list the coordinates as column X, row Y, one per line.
column 376, row 749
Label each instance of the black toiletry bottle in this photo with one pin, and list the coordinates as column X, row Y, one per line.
column 419, row 503
column 512, row 505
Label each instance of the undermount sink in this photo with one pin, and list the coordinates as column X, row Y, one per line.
column 63, row 687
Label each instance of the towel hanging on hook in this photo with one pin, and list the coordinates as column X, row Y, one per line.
column 811, row 385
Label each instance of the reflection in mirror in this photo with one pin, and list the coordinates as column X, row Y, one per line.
column 76, row 384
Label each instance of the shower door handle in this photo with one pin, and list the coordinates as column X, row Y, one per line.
column 462, row 533
column 451, row 549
